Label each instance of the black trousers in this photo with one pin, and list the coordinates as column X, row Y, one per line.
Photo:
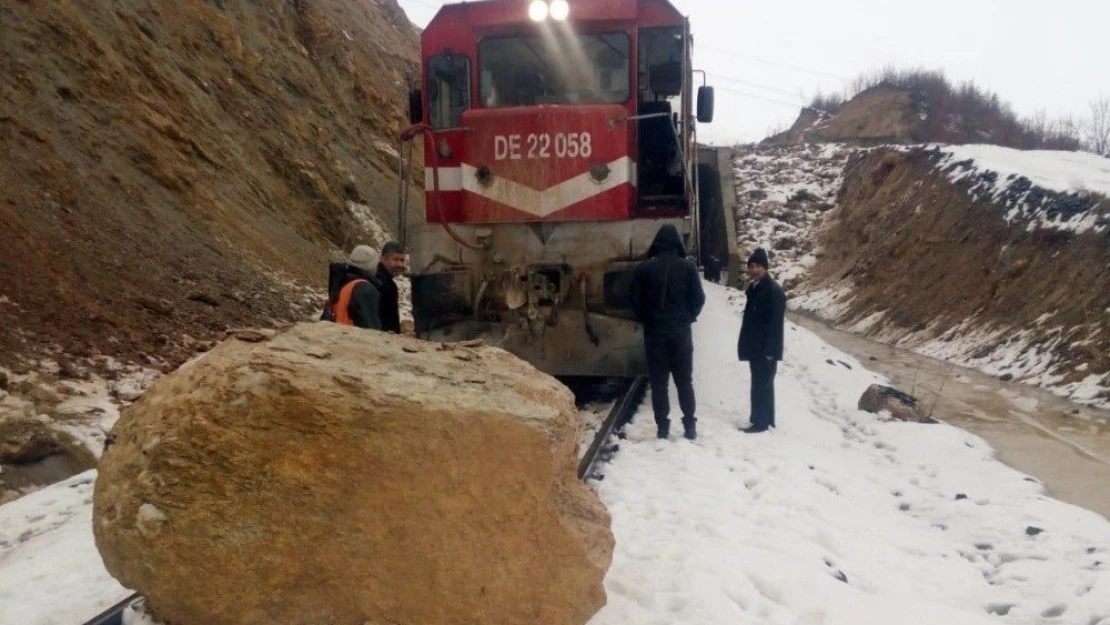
column 763, row 392
column 671, row 355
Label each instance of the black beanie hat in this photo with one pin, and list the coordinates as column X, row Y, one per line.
column 759, row 257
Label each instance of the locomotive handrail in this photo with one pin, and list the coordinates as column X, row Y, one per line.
column 408, row 134
column 688, row 183
column 451, row 129
column 613, row 123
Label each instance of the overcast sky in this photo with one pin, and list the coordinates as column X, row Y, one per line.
column 766, row 57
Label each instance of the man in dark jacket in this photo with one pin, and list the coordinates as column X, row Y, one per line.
column 667, row 296
column 358, row 300
column 713, row 269
column 761, row 339
column 392, row 264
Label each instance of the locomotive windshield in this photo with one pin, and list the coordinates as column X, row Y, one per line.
column 558, row 68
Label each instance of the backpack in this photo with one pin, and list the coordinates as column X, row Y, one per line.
column 337, row 272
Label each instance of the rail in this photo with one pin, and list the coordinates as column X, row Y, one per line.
column 114, row 614
column 621, row 413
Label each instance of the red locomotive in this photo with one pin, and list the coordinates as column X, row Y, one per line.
column 558, row 138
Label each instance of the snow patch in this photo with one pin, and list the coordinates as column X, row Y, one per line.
column 373, row 226
column 1019, row 180
column 782, row 196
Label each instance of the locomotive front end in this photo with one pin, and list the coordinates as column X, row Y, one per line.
column 538, row 207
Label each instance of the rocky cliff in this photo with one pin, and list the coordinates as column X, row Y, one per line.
column 174, row 168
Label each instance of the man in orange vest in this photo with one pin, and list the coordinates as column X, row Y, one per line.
column 358, row 300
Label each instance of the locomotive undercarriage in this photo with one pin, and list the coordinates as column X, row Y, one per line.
column 553, row 293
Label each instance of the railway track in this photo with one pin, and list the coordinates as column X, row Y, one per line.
column 599, row 450
column 620, row 413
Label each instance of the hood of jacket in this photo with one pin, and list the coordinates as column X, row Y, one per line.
column 667, row 240
column 356, row 273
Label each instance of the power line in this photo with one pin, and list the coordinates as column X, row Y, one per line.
column 776, row 63
column 752, row 84
column 793, row 105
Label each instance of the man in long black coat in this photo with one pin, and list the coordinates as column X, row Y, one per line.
column 761, row 339
column 667, row 297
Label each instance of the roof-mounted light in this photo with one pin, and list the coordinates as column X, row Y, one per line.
column 537, row 10
column 559, row 10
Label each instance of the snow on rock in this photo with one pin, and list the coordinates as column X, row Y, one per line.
column 781, row 195
column 1046, row 188
column 369, row 222
column 1030, row 355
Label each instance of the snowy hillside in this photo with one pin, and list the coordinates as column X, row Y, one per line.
column 1044, row 188
column 781, row 195
column 787, row 196
column 838, row 517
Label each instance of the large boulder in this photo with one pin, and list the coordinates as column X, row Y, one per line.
column 343, row 476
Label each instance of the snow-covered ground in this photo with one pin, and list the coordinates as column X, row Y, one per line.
column 50, row 571
column 837, row 517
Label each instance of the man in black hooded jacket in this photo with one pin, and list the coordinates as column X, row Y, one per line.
column 761, row 339
column 667, row 296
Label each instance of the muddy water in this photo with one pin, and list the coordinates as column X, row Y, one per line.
column 1064, row 445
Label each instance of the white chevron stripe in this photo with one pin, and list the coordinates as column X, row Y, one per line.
column 554, row 198
column 529, row 200
column 450, row 178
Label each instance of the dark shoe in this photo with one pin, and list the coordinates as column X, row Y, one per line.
column 690, row 428
column 662, row 429
column 755, row 429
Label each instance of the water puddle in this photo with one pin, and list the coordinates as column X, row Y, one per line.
column 1064, row 445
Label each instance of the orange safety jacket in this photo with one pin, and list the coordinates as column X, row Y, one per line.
column 340, row 310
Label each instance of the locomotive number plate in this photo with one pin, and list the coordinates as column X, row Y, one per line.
column 542, row 146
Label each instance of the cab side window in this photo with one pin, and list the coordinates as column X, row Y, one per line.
column 448, row 89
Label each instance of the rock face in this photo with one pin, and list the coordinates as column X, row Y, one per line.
column 901, row 406
column 200, row 161
column 880, row 114
column 336, row 475
column 941, row 263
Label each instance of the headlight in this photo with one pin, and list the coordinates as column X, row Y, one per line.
column 559, row 10
column 537, row 10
